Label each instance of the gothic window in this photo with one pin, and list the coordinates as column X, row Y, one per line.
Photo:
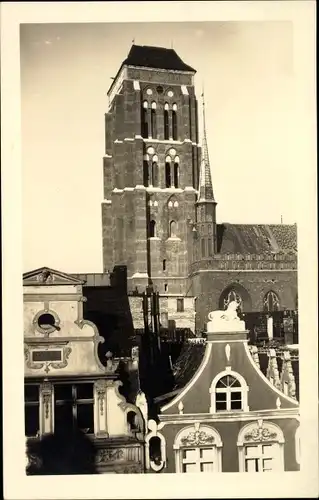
column 74, row 407
column 153, row 120
column 228, row 393
column 145, row 120
column 176, row 175
column 174, row 122
column 203, row 247
column 165, row 287
column 271, row 302
column 172, row 229
column 32, row 408
column 164, row 265
column 145, row 173
column 180, row 305
column 210, row 247
column 166, row 122
column 167, row 175
column 260, row 447
column 233, row 296
column 152, row 229
column 198, row 449
column 154, row 174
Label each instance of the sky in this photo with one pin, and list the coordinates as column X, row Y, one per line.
column 247, row 72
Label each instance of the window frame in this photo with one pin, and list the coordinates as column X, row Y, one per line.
column 242, row 388
column 29, row 404
column 75, row 402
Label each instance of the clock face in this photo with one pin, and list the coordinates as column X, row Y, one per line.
column 170, row 93
column 149, row 92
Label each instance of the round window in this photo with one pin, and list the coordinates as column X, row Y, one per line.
column 149, row 91
column 170, row 93
column 46, row 321
column 160, row 89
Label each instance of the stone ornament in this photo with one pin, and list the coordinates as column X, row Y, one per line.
column 197, row 438
column 47, row 364
column 260, row 433
column 225, row 321
column 109, row 455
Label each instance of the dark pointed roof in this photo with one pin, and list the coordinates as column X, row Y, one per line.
column 156, row 57
column 205, row 188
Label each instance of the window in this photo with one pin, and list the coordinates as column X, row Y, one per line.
column 203, row 247
column 174, row 122
column 271, row 302
column 172, row 229
column 144, row 120
column 210, row 247
column 154, row 174
column 176, row 175
column 132, row 422
column 74, row 407
column 228, row 392
column 198, row 449
column 164, row 265
column 166, row 123
column 152, row 229
column 155, row 446
column 233, row 296
column 167, row 175
column 145, row 173
column 153, row 120
column 32, row 407
column 180, row 305
column 165, row 287
column 260, row 446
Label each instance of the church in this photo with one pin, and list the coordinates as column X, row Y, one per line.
column 167, row 264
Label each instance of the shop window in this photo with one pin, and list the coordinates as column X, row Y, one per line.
column 74, row 407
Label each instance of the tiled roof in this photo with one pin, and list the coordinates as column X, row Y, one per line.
column 156, row 57
column 256, row 238
column 188, row 363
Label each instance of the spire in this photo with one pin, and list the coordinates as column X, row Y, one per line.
column 205, row 188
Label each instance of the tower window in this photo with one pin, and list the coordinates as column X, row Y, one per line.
column 180, row 305
column 152, row 229
column 153, row 120
column 203, row 247
column 145, row 173
column 167, row 175
column 164, row 265
column 154, row 174
column 172, row 229
column 210, row 247
column 165, row 287
column 174, row 122
column 166, row 123
column 271, row 302
column 176, row 175
column 144, row 120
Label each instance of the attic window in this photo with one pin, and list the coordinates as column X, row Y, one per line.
column 46, row 321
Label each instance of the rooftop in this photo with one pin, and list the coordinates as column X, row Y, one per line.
column 156, row 57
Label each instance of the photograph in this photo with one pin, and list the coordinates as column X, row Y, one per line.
column 160, row 246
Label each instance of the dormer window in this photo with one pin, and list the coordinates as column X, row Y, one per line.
column 228, row 393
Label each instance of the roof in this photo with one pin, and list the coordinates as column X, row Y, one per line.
column 256, row 238
column 156, row 57
column 48, row 276
column 94, row 279
column 188, row 363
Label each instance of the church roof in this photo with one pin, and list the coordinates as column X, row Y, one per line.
column 156, row 57
column 205, row 188
column 256, row 238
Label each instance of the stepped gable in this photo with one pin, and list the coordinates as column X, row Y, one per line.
column 256, row 238
column 155, row 57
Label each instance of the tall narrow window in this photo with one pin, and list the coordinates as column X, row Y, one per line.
column 271, row 302
column 174, row 122
column 153, row 120
column 176, row 175
column 164, row 265
column 145, row 120
column 152, row 229
column 166, row 123
column 145, row 173
column 172, row 229
column 154, row 174
column 180, row 305
column 203, row 247
column 210, row 247
column 167, row 175
column 31, row 400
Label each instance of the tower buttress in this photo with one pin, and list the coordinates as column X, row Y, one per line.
column 206, row 204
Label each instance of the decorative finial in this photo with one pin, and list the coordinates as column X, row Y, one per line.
column 133, row 41
column 281, row 219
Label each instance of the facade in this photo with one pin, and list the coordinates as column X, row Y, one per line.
column 159, row 210
column 229, row 417
column 67, row 387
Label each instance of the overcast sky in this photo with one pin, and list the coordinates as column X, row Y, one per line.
column 252, row 124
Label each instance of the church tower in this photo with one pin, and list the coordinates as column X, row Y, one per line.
column 206, row 204
column 151, row 171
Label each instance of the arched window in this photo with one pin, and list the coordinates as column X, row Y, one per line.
column 164, row 265
column 132, row 422
column 176, row 175
column 203, row 247
column 260, row 447
column 210, row 247
column 144, row 120
column 153, row 120
column 271, row 302
column 166, row 123
column 174, row 122
column 198, row 449
column 152, row 229
column 233, row 296
column 172, row 229
column 167, row 175
column 155, row 453
column 154, row 174
column 228, row 393
column 145, row 173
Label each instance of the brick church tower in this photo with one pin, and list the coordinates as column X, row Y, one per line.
column 151, row 171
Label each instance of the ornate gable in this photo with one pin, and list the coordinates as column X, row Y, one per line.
column 48, row 276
